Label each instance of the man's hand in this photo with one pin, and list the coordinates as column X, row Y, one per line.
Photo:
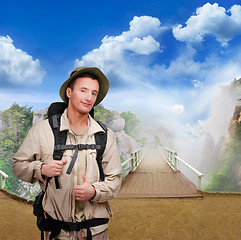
column 53, row 168
column 85, row 191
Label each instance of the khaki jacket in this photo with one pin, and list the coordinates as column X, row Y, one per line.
column 37, row 149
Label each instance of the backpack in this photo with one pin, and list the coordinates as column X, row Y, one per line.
column 54, row 113
column 44, row 221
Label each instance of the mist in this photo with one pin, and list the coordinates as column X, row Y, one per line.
column 200, row 150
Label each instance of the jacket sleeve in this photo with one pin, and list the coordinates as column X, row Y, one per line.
column 26, row 163
column 112, row 168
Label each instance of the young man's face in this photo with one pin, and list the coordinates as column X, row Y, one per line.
column 83, row 95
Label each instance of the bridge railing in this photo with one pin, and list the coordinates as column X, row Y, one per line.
column 132, row 163
column 3, row 177
column 174, row 162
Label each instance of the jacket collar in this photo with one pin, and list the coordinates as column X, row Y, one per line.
column 94, row 127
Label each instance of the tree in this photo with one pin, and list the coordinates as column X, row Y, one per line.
column 102, row 114
column 224, row 178
column 132, row 124
column 17, row 121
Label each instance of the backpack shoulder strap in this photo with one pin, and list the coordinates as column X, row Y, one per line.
column 101, row 139
column 54, row 113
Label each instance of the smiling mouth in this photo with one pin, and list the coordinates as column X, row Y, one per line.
column 86, row 104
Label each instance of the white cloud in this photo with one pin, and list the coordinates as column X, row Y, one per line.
column 178, row 109
column 144, row 26
column 17, row 68
column 196, row 130
column 116, row 52
column 211, row 20
column 153, row 89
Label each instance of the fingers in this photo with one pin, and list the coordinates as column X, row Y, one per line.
column 78, row 192
column 53, row 168
column 84, row 191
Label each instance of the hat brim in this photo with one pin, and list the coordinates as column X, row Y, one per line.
column 102, row 80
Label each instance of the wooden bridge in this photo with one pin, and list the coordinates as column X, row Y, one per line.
column 154, row 177
column 153, row 174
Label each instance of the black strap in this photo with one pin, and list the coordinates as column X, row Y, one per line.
column 70, row 226
column 76, row 148
column 101, row 139
column 42, row 235
column 60, row 138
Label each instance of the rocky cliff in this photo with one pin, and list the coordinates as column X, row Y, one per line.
column 234, row 136
column 222, row 160
column 221, row 154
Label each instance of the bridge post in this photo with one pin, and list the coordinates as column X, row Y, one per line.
column 199, row 183
column 132, row 162
column 135, row 159
column 175, row 161
column 3, row 177
column 2, row 182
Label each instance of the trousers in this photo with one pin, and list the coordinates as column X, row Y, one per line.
column 78, row 236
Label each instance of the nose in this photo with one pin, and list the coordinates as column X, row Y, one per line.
column 88, row 96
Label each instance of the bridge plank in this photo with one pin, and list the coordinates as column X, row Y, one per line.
column 154, row 178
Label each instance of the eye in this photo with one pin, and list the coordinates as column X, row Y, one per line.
column 94, row 93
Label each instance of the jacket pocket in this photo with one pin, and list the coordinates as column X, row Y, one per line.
column 99, row 210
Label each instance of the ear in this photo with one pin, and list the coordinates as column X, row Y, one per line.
column 68, row 92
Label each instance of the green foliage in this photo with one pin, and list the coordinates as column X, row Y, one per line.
column 224, row 179
column 102, row 114
column 17, row 121
column 132, row 124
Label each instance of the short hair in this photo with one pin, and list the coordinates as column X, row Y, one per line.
column 81, row 75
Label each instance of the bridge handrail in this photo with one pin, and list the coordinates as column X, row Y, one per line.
column 134, row 159
column 172, row 159
column 3, row 177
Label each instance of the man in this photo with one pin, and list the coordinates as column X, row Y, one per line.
column 81, row 195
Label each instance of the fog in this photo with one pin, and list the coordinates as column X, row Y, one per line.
column 203, row 143
column 201, row 151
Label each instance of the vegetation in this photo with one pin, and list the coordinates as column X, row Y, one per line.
column 132, row 124
column 224, row 179
column 102, row 114
column 17, row 122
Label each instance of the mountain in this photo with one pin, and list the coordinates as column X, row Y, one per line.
column 225, row 158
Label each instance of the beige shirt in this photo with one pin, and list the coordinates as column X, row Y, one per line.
column 37, row 149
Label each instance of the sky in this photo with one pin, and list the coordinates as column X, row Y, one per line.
column 165, row 60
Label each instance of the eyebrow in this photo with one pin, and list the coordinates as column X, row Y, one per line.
column 88, row 89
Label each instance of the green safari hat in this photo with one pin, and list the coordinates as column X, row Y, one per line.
column 102, row 79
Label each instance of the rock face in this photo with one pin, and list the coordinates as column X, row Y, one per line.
column 210, row 152
column 234, row 127
column 224, row 153
column 118, row 123
column 234, row 123
column 126, row 144
column 40, row 115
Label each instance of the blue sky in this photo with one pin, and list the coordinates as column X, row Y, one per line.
column 165, row 59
